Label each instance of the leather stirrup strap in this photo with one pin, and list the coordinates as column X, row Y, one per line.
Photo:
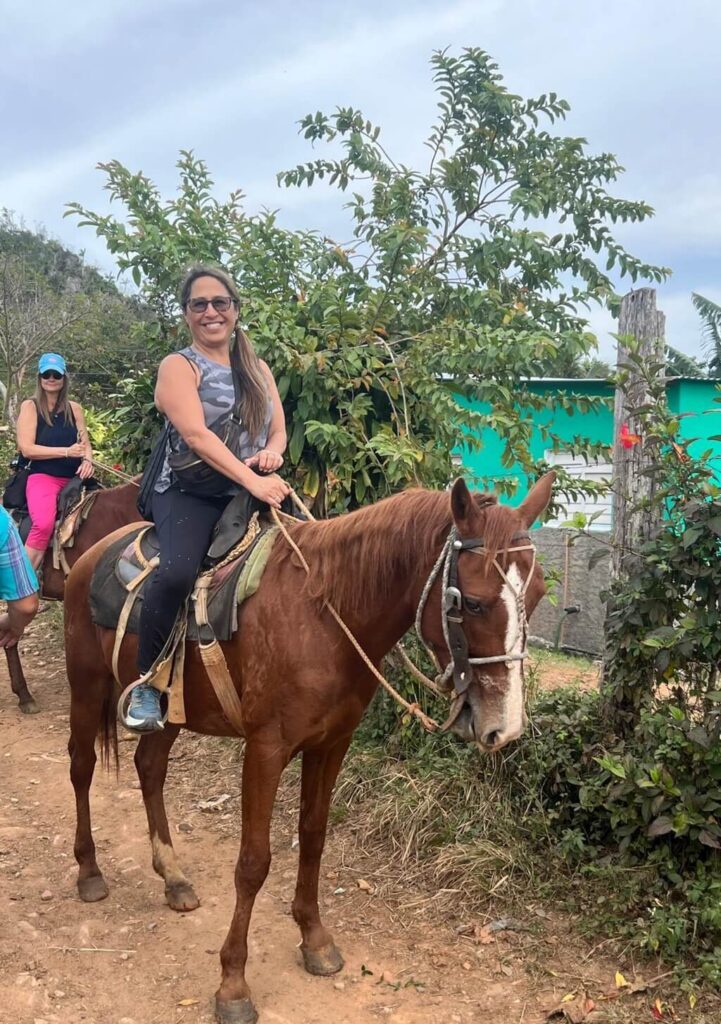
column 133, row 589
column 121, row 628
column 213, row 658
column 217, row 668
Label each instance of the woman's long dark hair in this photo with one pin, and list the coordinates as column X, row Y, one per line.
column 243, row 360
column 62, row 405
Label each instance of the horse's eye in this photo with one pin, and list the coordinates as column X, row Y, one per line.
column 473, row 606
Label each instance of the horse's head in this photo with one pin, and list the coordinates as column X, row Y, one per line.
column 492, row 585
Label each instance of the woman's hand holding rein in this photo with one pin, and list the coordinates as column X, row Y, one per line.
column 265, row 461
column 270, row 489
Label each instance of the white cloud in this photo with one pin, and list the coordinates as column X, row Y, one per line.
column 206, row 108
column 645, row 88
column 54, row 28
column 688, row 213
column 683, row 324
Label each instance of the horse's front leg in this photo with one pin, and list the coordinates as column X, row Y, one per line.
column 320, row 770
column 18, row 683
column 151, row 762
column 262, row 767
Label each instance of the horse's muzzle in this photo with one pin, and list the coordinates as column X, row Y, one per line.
column 490, row 733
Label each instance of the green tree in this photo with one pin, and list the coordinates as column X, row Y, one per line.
column 678, row 364
column 31, row 321
column 710, row 313
column 51, row 299
column 454, row 285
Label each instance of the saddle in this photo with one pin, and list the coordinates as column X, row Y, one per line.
column 75, row 502
column 231, row 572
column 128, row 564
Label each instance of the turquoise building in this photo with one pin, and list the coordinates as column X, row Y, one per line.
column 694, row 400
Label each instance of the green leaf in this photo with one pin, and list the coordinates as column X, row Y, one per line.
column 708, row 839
column 659, row 827
column 297, row 440
column 612, row 766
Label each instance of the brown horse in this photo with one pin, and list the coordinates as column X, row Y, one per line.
column 111, row 509
column 304, row 688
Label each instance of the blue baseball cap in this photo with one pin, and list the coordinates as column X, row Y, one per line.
column 52, row 361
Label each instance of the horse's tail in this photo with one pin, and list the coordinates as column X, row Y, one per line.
column 108, row 730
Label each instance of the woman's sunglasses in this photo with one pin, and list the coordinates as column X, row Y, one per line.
column 221, row 304
column 52, row 375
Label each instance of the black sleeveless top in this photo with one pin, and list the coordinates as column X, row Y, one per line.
column 60, row 434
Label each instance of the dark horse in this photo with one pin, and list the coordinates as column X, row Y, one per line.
column 304, row 688
column 111, row 509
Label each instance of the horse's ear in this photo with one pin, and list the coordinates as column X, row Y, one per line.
column 462, row 505
column 537, row 499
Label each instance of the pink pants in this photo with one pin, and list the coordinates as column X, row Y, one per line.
column 42, row 494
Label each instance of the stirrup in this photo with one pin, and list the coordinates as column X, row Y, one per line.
column 124, row 701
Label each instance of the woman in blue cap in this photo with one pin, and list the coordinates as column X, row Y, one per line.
column 51, row 432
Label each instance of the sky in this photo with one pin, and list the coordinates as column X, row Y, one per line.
column 88, row 81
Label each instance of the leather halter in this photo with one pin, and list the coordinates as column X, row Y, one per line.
column 452, row 606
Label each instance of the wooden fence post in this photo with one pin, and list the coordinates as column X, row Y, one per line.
column 633, row 486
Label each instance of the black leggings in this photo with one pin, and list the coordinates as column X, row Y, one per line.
column 184, row 524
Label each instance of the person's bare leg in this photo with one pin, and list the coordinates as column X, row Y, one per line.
column 36, row 556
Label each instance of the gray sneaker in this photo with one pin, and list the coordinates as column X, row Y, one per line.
column 144, row 713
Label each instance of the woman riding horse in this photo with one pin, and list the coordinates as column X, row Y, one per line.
column 51, row 432
column 196, row 392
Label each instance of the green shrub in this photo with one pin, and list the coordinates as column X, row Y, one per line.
column 623, row 830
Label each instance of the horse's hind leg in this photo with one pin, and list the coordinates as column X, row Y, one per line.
column 87, row 707
column 320, row 770
column 151, row 761
column 18, row 682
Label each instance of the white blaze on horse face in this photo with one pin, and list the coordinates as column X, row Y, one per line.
column 513, row 702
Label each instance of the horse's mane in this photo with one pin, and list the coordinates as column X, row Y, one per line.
column 374, row 546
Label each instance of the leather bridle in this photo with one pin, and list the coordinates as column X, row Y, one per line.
column 453, row 605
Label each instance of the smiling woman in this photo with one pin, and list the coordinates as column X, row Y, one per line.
column 225, row 433
column 51, row 432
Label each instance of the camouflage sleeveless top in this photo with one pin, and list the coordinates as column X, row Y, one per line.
column 217, row 396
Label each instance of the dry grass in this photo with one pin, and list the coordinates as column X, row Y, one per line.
column 441, row 832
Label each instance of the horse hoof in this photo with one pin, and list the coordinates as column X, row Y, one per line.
column 92, row 889
column 235, row 1011
column 29, row 707
column 181, row 897
column 323, row 962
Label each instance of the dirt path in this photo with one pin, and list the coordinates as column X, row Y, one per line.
column 131, row 960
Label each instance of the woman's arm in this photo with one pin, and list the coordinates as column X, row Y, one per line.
column 176, row 396
column 270, row 458
column 27, row 427
column 85, row 469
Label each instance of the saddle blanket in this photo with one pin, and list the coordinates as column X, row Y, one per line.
column 231, row 584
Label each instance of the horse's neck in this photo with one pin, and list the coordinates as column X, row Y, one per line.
column 389, row 583
column 118, row 507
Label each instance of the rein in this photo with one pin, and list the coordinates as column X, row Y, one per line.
column 459, row 665
column 429, row 724
column 122, row 476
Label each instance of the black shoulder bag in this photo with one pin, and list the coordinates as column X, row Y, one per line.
column 16, row 484
column 193, row 475
column 14, row 492
column 152, row 471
